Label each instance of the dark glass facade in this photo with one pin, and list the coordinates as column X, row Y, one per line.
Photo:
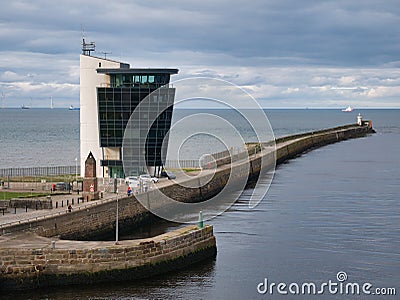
column 151, row 81
column 116, row 104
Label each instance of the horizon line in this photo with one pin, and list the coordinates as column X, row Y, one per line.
column 183, row 108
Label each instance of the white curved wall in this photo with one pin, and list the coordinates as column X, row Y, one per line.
column 89, row 127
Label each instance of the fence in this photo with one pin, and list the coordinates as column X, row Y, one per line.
column 72, row 170
column 40, row 171
column 60, row 211
column 182, row 164
column 206, row 159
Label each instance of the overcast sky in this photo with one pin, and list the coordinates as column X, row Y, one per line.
column 285, row 53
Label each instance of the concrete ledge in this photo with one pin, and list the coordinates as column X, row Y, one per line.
column 74, row 262
column 31, row 203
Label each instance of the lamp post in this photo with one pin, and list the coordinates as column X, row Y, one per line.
column 116, row 224
column 76, row 171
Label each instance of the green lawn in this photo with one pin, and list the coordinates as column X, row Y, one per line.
column 9, row 195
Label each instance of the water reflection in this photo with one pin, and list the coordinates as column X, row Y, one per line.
column 185, row 284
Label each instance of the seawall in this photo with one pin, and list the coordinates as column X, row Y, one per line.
column 291, row 146
column 28, row 261
column 27, row 203
column 28, row 258
column 99, row 217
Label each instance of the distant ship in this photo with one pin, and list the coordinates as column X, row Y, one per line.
column 26, row 107
column 348, row 109
column 71, row 107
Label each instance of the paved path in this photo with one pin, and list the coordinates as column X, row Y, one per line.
column 60, row 201
column 30, row 240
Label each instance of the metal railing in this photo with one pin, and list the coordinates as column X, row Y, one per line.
column 182, row 164
column 61, row 211
column 40, row 171
column 197, row 164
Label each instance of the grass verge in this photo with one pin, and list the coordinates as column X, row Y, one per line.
column 10, row 195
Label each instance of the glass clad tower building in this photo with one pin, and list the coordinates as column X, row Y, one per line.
column 110, row 93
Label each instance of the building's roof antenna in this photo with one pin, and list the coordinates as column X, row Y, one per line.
column 105, row 54
column 87, row 47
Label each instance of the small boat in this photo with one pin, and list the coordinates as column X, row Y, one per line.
column 71, row 107
column 348, row 109
column 24, row 107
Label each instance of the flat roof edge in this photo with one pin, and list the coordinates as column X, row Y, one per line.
column 105, row 59
column 137, row 71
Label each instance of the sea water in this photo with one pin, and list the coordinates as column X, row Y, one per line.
column 334, row 209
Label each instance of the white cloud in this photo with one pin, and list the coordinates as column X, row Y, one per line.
column 7, row 76
column 285, row 53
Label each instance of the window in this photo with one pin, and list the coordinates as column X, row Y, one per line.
column 162, row 79
column 115, row 105
column 116, row 80
column 126, row 80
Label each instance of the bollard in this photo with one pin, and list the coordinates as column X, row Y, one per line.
column 72, row 201
column 36, row 206
column 200, row 222
column 67, row 202
column 56, row 204
column 26, row 208
column 62, row 203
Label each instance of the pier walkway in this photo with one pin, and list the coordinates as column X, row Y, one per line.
column 39, row 248
column 285, row 148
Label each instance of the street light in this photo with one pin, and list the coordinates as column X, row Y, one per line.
column 116, row 224
column 76, row 171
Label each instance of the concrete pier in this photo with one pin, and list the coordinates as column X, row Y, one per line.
column 99, row 216
column 30, row 261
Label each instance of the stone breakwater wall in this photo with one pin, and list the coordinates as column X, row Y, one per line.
column 286, row 148
column 74, row 262
column 100, row 218
column 27, row 203
column 83, row 222
column 291, row 146
column 78, row 262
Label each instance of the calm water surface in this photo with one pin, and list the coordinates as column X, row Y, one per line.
column 38, row 137
column 43, row 137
